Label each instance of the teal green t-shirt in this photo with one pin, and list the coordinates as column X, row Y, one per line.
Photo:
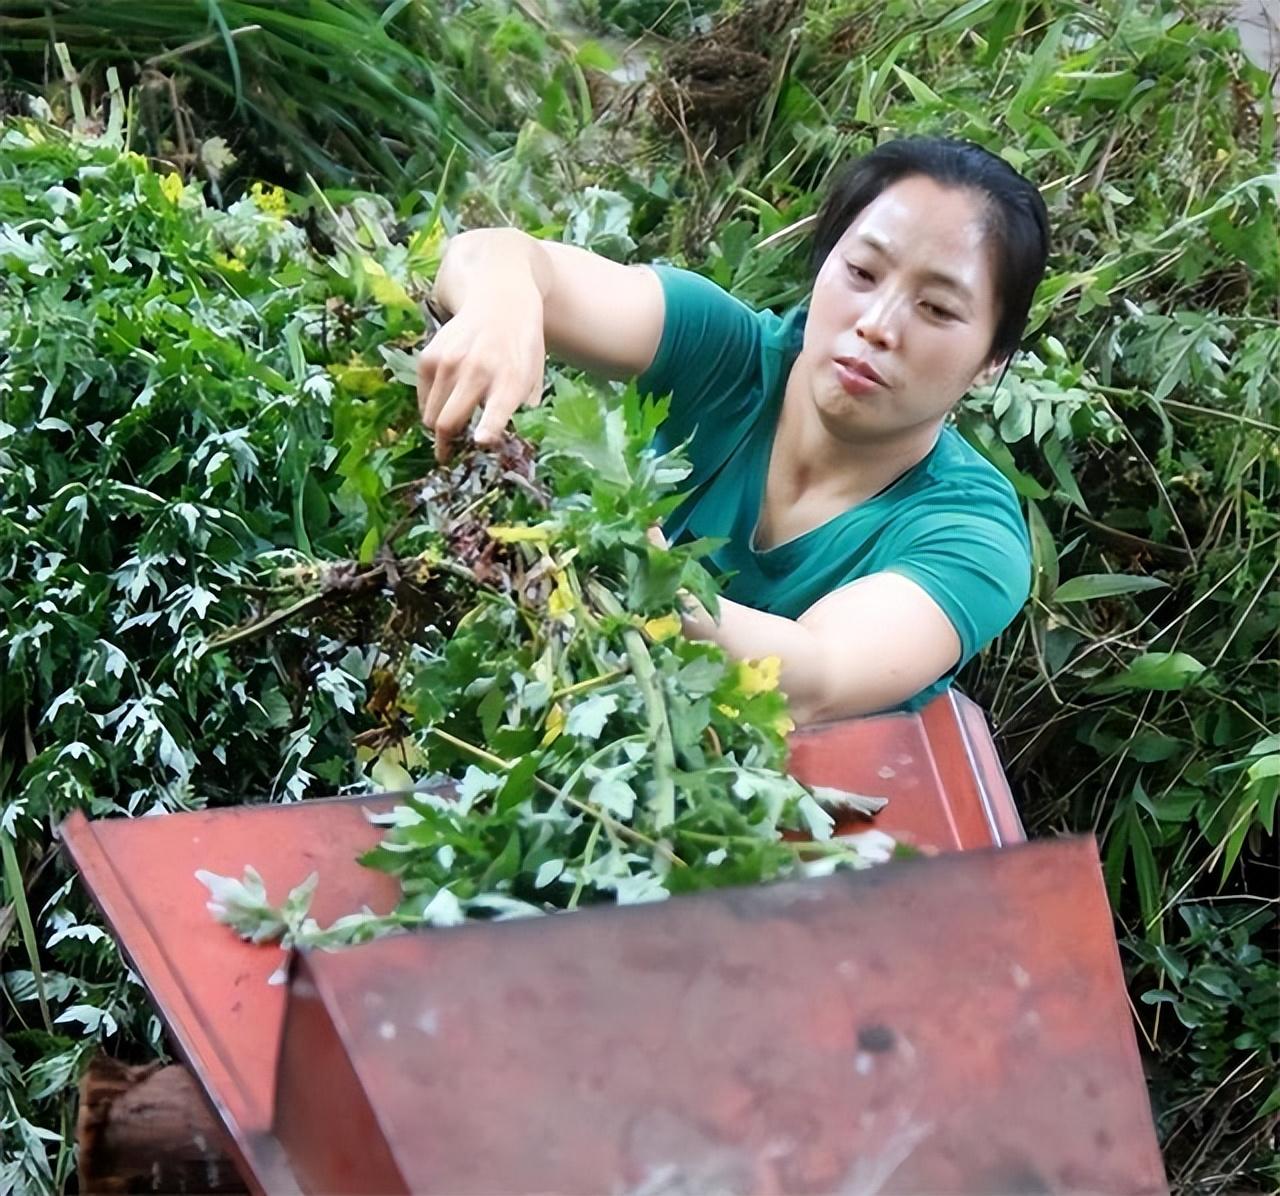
column 952, row 523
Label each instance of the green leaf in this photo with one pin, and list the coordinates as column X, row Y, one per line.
column 549, row 871
column 654, row 578
column 863, row 112
column 583, row 427
column 518, row 784
column 1150, row 747
column 1263, row 787
column 1242, row 822
column 615, row 796
column 1155, row 671
column 1044, row 553
column 817, row 821
column 1216, row 981
column 1089, row 586
column 1034, row 77
column 840, row 799
column 475, row 783
column 505, row 866
column 587, row 718
column 243, row 905
column 1144, row 868
column 920, row 91
column 389, row 775
column 1114, row 858
column 16, row 887
column 1173, row 962
column 592, row 54
column 984, row 438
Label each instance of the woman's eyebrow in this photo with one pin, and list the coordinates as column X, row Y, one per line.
column 937, row 277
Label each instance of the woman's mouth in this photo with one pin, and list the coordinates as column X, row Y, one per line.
column 857, row 377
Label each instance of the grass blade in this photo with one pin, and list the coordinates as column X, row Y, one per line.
column 14, row 883
column 233, row 55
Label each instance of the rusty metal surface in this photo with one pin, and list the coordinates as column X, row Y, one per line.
column 938, row 768
column 956, row 1025
column 211, row 989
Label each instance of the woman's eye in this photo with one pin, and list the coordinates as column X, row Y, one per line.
column 939, row 313
column 859, row 274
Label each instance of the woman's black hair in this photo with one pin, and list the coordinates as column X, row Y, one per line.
column 1017, row 220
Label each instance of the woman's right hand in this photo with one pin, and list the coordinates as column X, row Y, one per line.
column 492, row 354
column 515, row 298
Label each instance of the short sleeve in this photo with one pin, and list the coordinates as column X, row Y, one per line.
column 976, row 567
column 709, row 359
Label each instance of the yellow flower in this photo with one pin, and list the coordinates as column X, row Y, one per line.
column 561, row 600
column 271, row 201
column 663, row 628
column 783, row 725
column 227, row 262
column 538, row 534
column 389, row 774
column 385, row 289
column 760, row 676
column 357, row 376
column 426, row 249
column 727, row 711
column 555, row 724
column 171, row 186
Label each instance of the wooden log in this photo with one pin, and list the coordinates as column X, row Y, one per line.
column 149, row 1129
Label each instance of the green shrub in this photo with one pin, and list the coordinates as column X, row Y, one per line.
column 171, row 379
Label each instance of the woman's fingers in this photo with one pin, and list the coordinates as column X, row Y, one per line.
column 465, row 367
column 455, row 413
column 503, row 401
column 436, row 378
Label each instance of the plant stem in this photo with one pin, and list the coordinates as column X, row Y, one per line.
column 588, row 684
column 611, row 823
column 587, row 856
column 821, row 847
column 662, row 799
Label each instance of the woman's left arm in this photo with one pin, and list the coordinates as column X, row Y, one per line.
column 865, row 647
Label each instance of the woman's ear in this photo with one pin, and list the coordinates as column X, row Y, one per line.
column 990, row 372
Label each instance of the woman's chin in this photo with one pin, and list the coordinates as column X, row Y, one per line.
column 848, row 416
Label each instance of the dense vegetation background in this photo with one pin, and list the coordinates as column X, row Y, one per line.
column 217, row 221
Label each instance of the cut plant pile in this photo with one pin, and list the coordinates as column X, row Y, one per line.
column 529, row 664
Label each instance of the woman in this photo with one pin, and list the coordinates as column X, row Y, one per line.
column 868, row 546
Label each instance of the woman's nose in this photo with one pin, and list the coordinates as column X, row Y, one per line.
column 878, row 324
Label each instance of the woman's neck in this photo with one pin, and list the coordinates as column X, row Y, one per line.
column 809, row 459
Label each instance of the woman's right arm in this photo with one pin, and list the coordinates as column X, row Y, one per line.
column 513, row 299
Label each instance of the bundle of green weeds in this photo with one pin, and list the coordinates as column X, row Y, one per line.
column 562, row 743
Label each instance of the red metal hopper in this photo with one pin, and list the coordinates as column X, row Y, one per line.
column 946, row 1025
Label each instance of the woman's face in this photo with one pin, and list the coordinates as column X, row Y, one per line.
column 903, row 313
